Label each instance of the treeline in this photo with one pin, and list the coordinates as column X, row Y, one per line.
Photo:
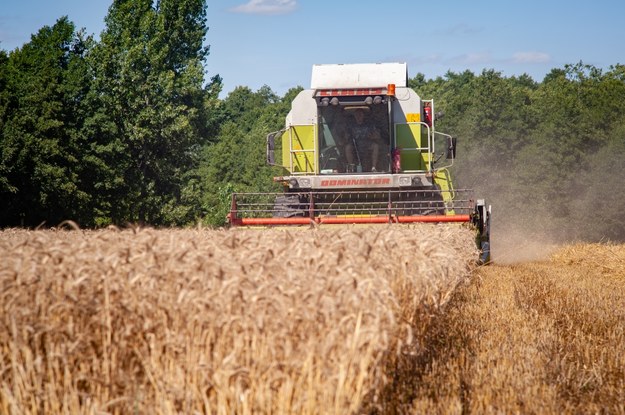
column 106, row 132
column 128, row 130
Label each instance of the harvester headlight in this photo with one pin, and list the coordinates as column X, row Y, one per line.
column 325, row 101
column 368, row 100
column 377, row 100
column 405, row 180
column 334, row 101
column 293, row 182
column 304, row 182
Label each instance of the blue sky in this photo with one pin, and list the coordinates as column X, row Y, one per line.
column 276, row 42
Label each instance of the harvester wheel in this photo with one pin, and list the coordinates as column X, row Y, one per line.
column 288, row 206
column 423, row 203
column 482, row 219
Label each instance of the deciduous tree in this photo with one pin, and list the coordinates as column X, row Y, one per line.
column 149, row 87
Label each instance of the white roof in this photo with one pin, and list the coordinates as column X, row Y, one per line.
column 358, row 75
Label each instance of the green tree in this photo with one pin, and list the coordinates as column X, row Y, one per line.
column 149, row 99
column 236, row 161
column 41, row 149
column 6, row 187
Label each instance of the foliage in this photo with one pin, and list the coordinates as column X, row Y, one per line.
column 148, row 87
column 41, row 152
column 236, row 161
column 107, row 132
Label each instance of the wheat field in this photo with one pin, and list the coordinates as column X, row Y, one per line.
column 310, row 321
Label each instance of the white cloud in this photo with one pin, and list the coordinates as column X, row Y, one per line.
column 472, row 58
column 531, row 57
column 266, row 7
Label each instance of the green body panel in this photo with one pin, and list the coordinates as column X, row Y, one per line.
column 408, row 138
column 299, row 149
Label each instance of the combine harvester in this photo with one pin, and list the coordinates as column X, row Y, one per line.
column 360, row 147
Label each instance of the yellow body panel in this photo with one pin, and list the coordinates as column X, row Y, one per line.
column 409, row 139
column 442, row 179
column 299, row 149
column 413, row 117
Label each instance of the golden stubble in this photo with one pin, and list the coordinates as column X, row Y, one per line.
column 539, row 338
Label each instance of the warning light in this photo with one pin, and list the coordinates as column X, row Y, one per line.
column 391, row 90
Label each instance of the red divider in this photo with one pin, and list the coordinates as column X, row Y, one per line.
column 349, row 220
column 434, row 218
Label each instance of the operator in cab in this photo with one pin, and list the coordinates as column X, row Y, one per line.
column 362, row 143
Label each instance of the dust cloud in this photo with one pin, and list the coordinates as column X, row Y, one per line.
column 536, row 211
column 511, row 243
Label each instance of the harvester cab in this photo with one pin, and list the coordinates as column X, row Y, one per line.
column 360, row 146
